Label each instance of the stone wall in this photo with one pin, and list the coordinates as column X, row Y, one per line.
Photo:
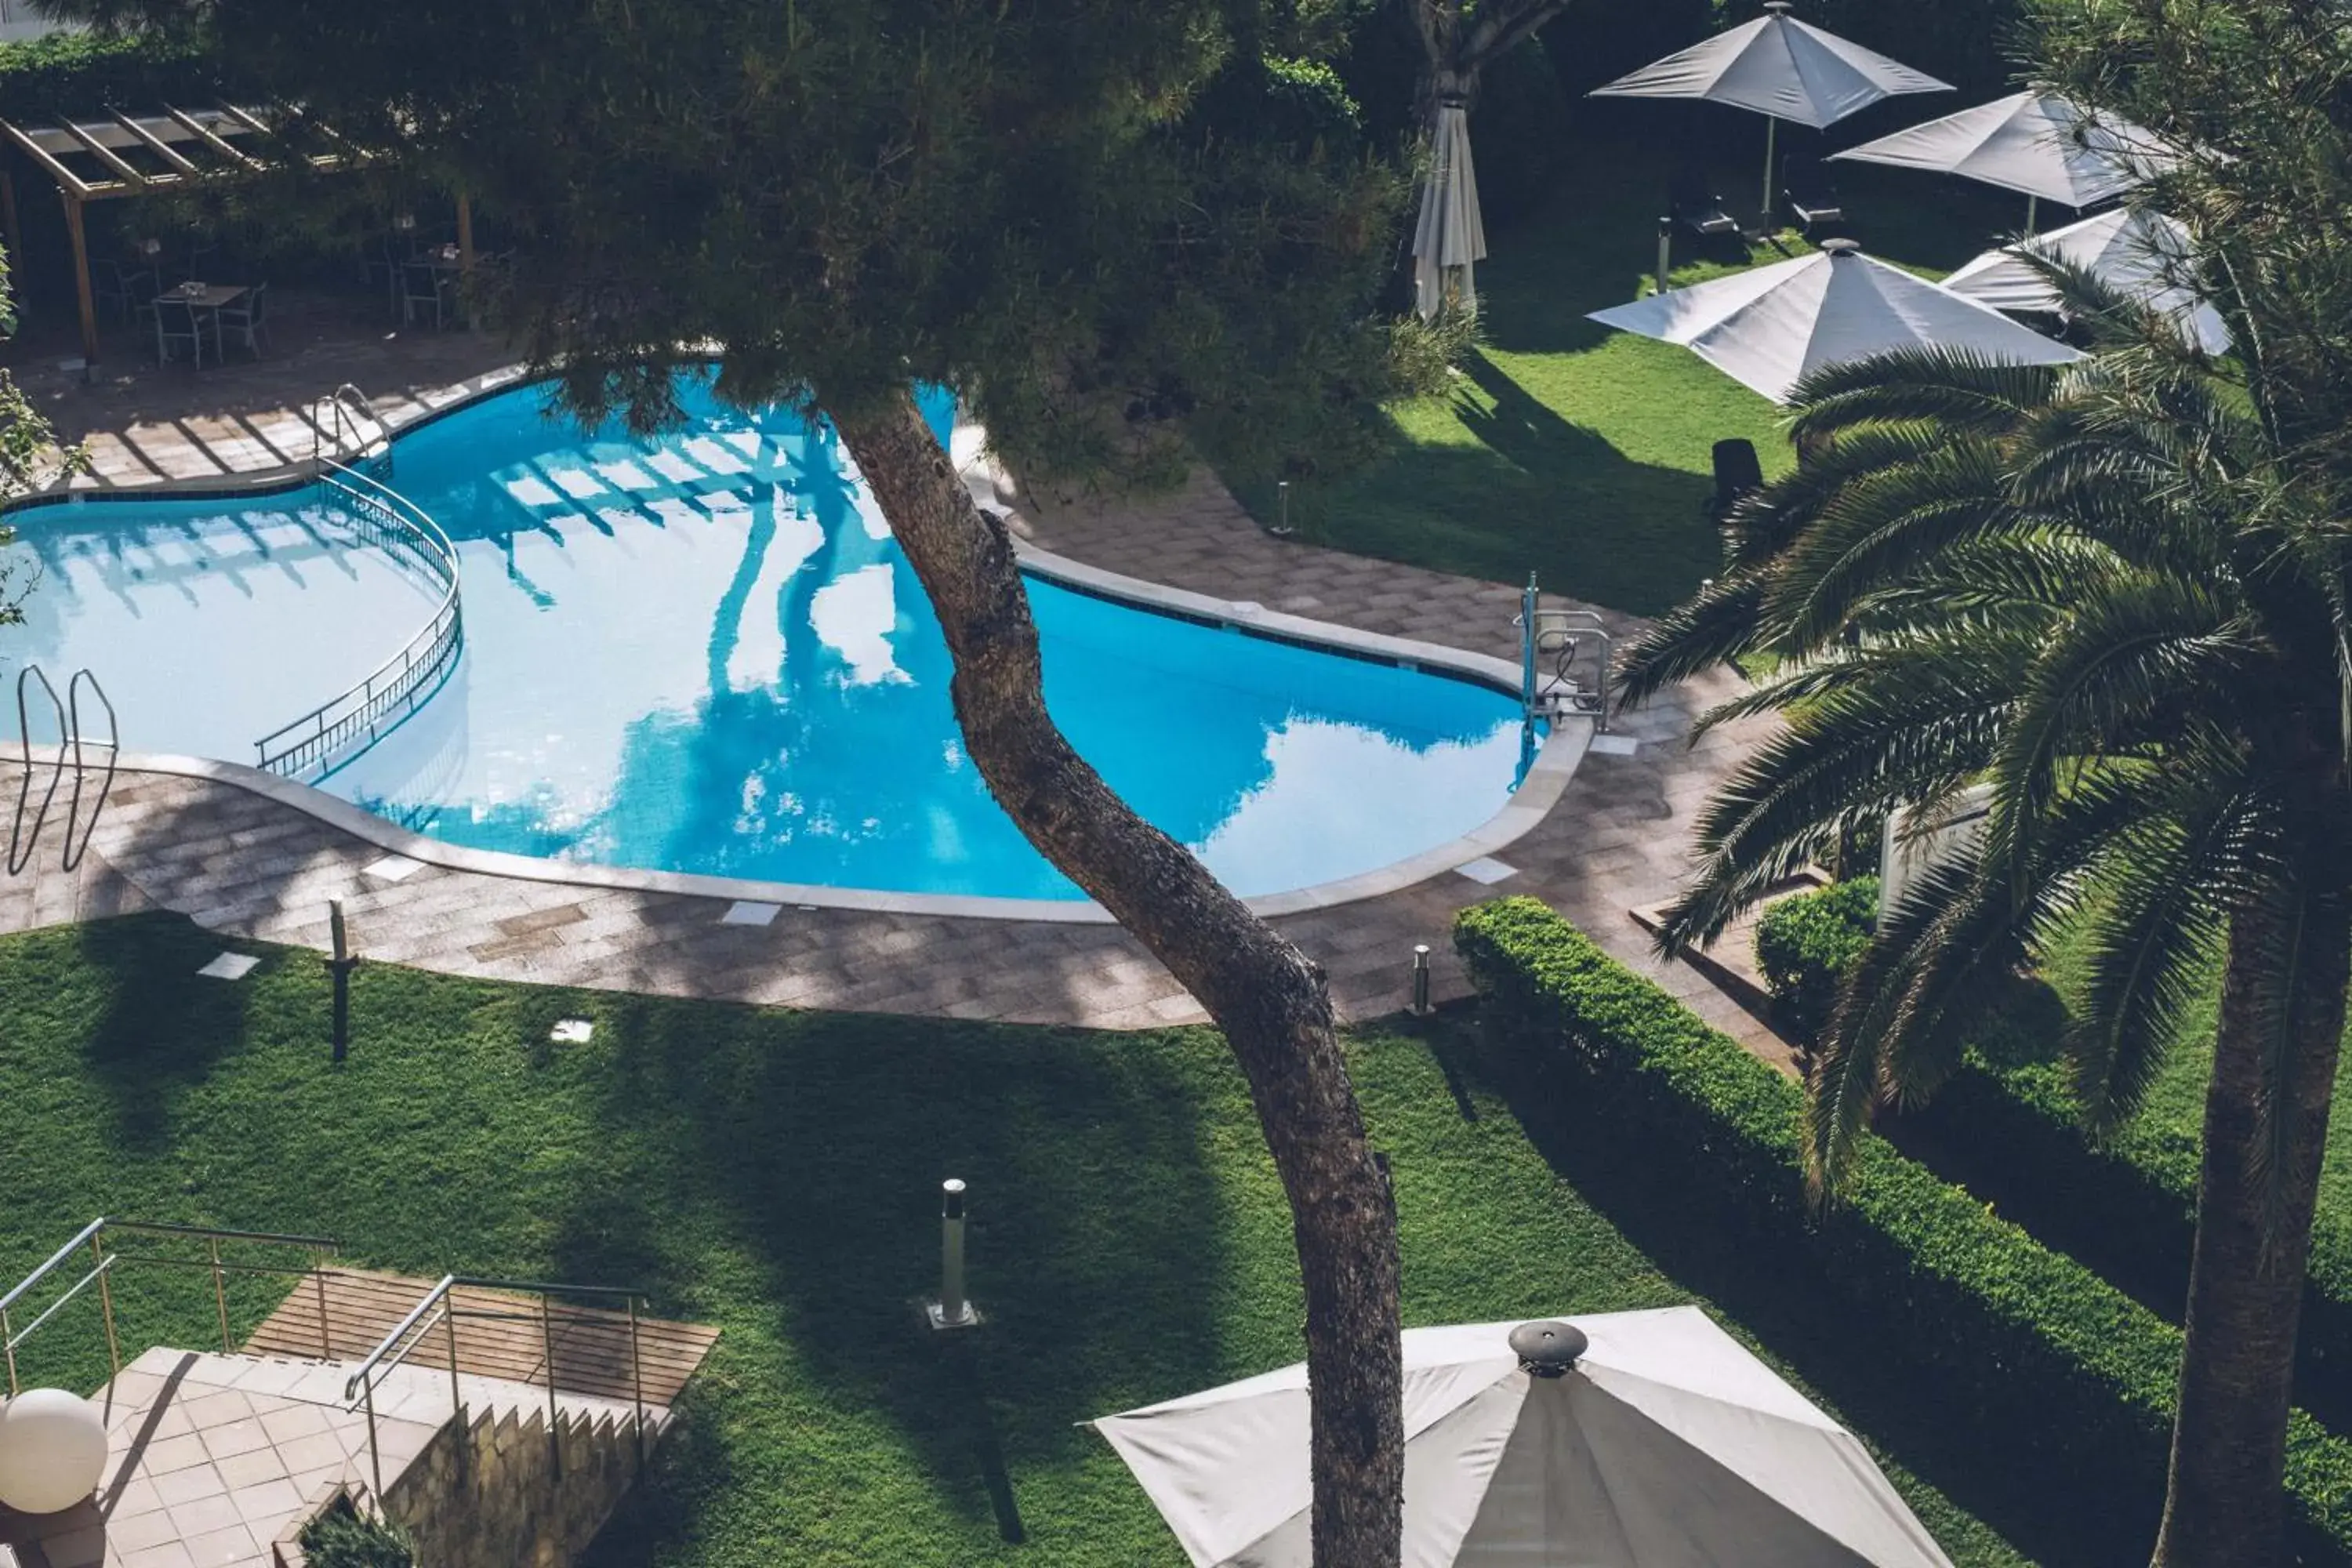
column 493, row 1494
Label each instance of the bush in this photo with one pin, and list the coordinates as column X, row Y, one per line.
column 340, row 1538
column 2038, row 1355
column 83, row 74
column 1301, row 104
column 1519, row 135
column 1804, row 943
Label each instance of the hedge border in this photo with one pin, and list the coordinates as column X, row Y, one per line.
column 2033, row 1347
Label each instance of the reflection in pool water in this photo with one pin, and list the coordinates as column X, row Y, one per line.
column 704, row 653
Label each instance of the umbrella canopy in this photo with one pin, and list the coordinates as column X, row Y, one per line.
column 1766, row 328
column 2141, row 254
column 1449, row 239
column 1779, row 67
column 1666, row 1444
column 2037, row 142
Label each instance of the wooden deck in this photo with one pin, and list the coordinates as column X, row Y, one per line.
column 497, row 1335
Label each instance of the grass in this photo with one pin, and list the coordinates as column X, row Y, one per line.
column 775, row 1172
column 1584, row 454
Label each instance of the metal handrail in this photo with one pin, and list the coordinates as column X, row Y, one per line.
column 439, row 1307
column 21, row 844
column 395, row 688
column 93, row 1235
column 350, row 412
column 78, row 829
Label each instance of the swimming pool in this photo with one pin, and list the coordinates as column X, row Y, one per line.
column 703, row 653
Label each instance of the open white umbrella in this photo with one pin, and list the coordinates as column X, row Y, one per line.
column 1765, row 328
column 2038, row 142
column 1781, row 68
column 2141, row 254
column 1449, row 240
column 1621, row 1440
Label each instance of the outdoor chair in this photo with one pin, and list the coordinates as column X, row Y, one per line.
column 1811, row 198
column 245, row 321
column 176, row 322
column 1737, row 472
column 1694, row 207
column 124, row 288
column 424, row 287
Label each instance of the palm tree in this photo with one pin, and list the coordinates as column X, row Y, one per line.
column 2104, row 592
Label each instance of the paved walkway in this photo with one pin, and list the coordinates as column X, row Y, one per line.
column 246, row 868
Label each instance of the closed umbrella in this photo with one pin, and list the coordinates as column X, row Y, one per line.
column 1619, row 1440
column 2143, row 256
column 1766, row 328
column 1449, row 240
column 2038, row 142
column 1781, row 68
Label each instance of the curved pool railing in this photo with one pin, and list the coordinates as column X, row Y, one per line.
column 309, row 747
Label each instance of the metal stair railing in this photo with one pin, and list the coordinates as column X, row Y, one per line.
column 397, row 687
column 104, row 1263
column 72, row 751
column 441, row 1309
column 346, row 422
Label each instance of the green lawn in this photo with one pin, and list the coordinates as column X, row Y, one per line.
column 1581, row 453
column 775, row 1173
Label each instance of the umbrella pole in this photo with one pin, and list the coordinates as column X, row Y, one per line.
column 1771, row 137
column 2033, row 210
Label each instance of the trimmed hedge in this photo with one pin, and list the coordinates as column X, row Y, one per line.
column 1803, row 944
column 2011, row 1131
column 2034, row 1350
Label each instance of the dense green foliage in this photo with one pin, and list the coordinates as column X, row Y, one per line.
column 2035, row 1350
column 83, row 74
column 1803, row 944
column 342, row 1539
column 775, row 1172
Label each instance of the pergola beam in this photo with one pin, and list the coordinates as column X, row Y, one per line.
column 73, row 184
column 241, row 117
column 156, row 144
column 104, row 154
column 204, row 134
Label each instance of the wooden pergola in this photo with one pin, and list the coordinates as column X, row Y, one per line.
column 126, row 155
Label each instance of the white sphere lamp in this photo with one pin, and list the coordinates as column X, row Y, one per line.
column 52, row 1450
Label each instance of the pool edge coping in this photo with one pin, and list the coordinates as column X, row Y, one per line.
column 991, row 488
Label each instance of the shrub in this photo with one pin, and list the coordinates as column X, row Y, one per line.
column 340, row 1538
column 2036, row 1352
column 1300, row 103
column 1804, row 943
column 81, row 75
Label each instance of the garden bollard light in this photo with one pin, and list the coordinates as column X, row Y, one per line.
column 953, row 1310
column 1666, row 251
column 340, row 966
column 1421, row 978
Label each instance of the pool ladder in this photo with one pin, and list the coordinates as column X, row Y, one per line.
column 1565, row 660
column 346, row 428
column 72, row 755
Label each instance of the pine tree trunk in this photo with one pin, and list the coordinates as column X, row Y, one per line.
column 2225, row 1501
column 1264, row 994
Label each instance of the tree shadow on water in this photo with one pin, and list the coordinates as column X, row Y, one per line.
column 787, row 1185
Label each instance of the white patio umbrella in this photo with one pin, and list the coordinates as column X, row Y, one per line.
column 1765, row 328
column 2038, row 142
column 1450, row 240
column 2142, row 255
column 1781, row 68
column 1623, row 1440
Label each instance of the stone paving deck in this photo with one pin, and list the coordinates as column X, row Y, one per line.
column 246, row 868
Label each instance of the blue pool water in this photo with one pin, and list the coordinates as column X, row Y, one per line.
column 703, row 652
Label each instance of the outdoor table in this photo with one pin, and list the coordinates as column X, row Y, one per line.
column 209, row 297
